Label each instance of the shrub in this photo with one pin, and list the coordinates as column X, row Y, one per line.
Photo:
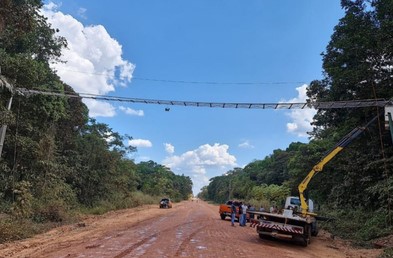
column 387, row 253
column 21, row 208
column 15, row 229
column 359, row 225
column 120, row 201
column 52, row 213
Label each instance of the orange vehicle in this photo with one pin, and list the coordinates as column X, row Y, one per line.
column 225, row 210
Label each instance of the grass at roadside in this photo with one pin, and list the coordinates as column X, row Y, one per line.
column 47, row 217
column 387, row 253
column 359, row 226
column 16, row 229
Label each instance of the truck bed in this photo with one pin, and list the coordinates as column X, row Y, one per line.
column 284, row 226
column 278, row 217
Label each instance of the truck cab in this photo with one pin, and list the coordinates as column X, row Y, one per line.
column 293, row 202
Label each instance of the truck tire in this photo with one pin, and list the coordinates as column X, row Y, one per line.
column 223, row 216
column 306, row 236
column 314, row 229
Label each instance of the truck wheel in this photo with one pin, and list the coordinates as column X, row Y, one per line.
column 314, row 229
column 304, row 242
column 222, row 216
column 306, row 236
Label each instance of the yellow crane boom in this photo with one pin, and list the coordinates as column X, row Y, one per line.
column 347, row 139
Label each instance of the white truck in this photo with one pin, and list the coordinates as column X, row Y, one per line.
column 289, row 224
column 297, row 220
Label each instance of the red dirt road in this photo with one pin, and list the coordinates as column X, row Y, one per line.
column 189, row 229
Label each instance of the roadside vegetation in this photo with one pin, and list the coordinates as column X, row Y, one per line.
column 354, row 189
column 57, row 163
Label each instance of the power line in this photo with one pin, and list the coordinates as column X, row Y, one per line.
column 281, row 105
column 216, row 83
column 196, row 82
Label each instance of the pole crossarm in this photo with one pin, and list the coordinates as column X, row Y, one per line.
column 279, row 105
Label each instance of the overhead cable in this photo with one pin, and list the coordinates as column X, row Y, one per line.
column 196, row 82
column 280, row 105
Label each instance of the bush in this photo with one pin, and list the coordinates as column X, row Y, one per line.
column 15, row 229
column 358, row 225
column 139, row 198
column 387, row 253
column 373, row 227
column 50, row 213
column 121, row 201
column 21, row 208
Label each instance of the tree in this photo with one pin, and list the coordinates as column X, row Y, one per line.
column 357, row 65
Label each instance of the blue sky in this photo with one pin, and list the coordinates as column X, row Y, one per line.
column 133, row 48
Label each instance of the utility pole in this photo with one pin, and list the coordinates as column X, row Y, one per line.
column 5, row 85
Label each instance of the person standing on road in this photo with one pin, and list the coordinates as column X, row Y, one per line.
column 233, row 213
column 243, row 215
column 251, row 208
column 240, row 213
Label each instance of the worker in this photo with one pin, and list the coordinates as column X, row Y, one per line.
column 240, row 213
column 262, row 209
column 233, row 213
column 243, row 215
column 251, row 208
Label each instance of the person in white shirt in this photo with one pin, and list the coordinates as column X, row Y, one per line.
column 243, row 215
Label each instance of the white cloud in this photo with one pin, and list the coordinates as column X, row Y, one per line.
column 82, row 13
column 300, row 118
column 246, row 145
column 202, row 163
column 141, row 143
column 98, row 108
column 132, row 112
column 94, row 62
column 169, row 148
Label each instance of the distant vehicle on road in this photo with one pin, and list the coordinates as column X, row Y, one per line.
column 165, row 203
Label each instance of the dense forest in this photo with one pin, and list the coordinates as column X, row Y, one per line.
column 356, row 186
column 55, row 159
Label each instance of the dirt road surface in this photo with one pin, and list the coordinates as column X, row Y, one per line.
column 189, row 229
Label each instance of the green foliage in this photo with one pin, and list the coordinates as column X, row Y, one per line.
column 22, row 207
column 49, row 212
column 358, row 224
column 271, row 193
column 387, row 253
column 158, row 180
column 55, row 159
column 56, row 201
column 12, row 229
column 203, row 194
column 133, row 199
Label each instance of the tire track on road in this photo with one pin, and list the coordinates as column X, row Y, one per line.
column 135, row 246
column 201, row 212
